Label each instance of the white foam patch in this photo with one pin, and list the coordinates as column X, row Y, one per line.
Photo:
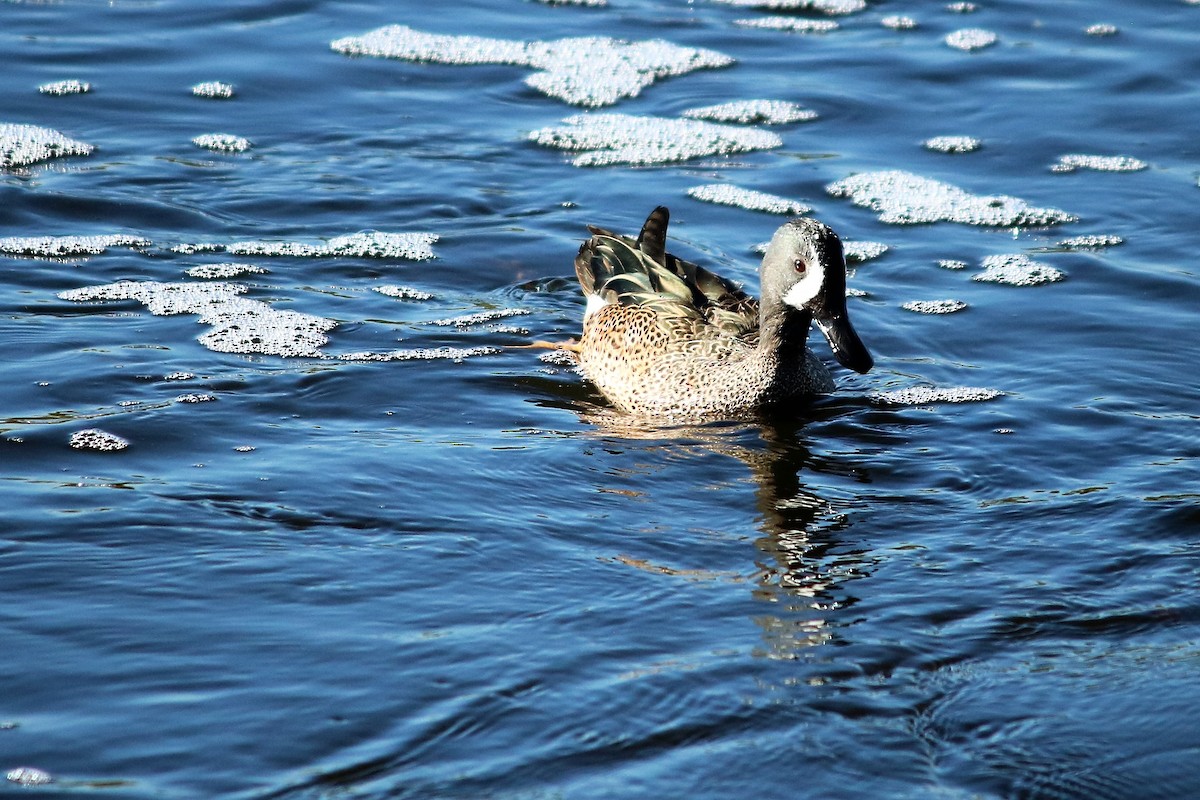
column 24, row 145
column 1070, row 163
column 607, row 139
column 587, row 71
column 222, row 142
column 196, row 398
column 60, row 88
column 456, row 354
column 92, row 439
column 1016, row 269
column 858, row 252
column 222, row 271
column 585, row 3
column 480, row 318
column 67, row 246
column 729, row 195
column 953, row 144
column 367, row 244
column 903, row 198
column 213, row 90
column 789, row 24
column 899, row 23
column 923, row 395
column 1101, row 29
column 832, row 7
column 403, row 292
column 747, row 112
column 962, row 7
column 1090, row 241
column 971, row 39
column 934, row 306
column 950, row 263
column 559, row 358
column 239, row 325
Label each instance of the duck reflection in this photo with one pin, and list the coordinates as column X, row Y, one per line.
column 803, row 566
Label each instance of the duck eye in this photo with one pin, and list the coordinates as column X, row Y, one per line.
column 798, row 264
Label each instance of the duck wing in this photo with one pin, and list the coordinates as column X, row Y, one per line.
column 640, row 272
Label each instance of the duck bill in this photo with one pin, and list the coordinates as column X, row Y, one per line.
column 847, row 347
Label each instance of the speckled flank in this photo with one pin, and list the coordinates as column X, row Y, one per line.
column 667, row 337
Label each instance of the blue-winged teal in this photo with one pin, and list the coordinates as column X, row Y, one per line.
column 662, row 336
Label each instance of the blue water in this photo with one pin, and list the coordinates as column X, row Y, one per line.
column 469, row 578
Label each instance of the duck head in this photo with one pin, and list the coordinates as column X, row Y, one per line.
column 805, row 268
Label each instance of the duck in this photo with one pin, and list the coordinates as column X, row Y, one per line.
column 663, row 337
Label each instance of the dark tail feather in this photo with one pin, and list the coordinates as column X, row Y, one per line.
column 653, row 239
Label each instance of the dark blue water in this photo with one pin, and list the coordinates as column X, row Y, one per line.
column 464, row 576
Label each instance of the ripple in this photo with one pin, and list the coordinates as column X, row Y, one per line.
column 730, row 195
column 1016, row 269
column 60, row 88
column 587, row 71
column 971, row 39
column 239, row 324
column 923, row 395
column 607, row 139
column 222, row 142
column 903, row 198
column 746, row 112
column 1070, row 163
column 67, row 246
column 94, row 439
column 24, row 145
column 213, row 90
column 953, row 144
column 934, row 306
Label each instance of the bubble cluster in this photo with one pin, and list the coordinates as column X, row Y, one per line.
column 67, row 246
column 608, row 139
column 962, row 8
column 24, row 145
column 213, row 90
column 456, row 354
column 196, row 398
column 923, row 395
column 59, row 88
column 729, row 195
column 970, row 39
column 1101, row 29
column 222, row 142
column 858, row 252
column 790, row 24
column 1016, row 269
column 747, row 112
column 239, row 324
column 587, row 71
column 403, row 292
column 365, row 244
column 1090, row 241
column 934, row 306
column 89, row 439
column 831, row 7
column 899, row 23
column 950, row 263
column 480, row 318
column 222, row 271
column 953, row 144
column 903, row 198
column 1070, row 163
